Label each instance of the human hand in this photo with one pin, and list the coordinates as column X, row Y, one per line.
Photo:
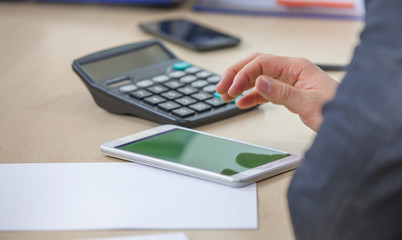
column 296, row 83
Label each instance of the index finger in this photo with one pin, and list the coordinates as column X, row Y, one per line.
column 285, row 69
column 228, row 76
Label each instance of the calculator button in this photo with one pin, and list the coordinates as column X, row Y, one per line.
column 187, row 90
column 217, row 95
column 176, row 74
column 188, row 78
column 118, row 81
column 200, row 107
column 174, row 84
column 214, row 79
column 203, row 74
column 181, row 65
column 185, row 101
column 144, row 83
column 160, row 78
column 192, row 69
column 157, row 89
column 154, row 100
column 201, row 96
column 183, row 112
column 215, row 102
column 171, row 95
column 199, row 83
column 209, row 89
column 140, row 94
column 168, row 106
column 127, row 88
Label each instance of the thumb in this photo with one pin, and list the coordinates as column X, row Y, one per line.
column 279, row 92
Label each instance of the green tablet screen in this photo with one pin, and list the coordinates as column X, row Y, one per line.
column 203, row 151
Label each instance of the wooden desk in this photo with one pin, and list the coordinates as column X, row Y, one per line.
column 47, row 115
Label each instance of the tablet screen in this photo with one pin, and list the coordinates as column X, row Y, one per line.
column 203, row 151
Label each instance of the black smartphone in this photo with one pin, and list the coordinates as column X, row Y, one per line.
column 190, row 34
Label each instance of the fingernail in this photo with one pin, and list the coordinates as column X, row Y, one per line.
column 264, row 84
column 230, row 93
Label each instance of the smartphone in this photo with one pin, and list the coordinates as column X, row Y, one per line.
column 190, row 34
column 202, row 155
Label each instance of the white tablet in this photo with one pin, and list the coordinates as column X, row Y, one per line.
column 202, row 155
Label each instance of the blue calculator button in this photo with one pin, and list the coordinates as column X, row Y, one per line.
column 181, row 65
column 216, row 95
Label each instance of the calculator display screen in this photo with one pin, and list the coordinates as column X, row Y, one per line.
column 125, row 62
column 203, row 151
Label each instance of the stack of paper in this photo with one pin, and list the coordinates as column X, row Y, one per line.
column 342, row 9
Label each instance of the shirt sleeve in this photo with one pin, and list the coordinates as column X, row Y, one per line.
column 350, row 183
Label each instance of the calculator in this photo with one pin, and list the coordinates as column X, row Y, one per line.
column 146, row 80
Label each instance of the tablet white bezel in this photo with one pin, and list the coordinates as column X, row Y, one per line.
column 237, row 180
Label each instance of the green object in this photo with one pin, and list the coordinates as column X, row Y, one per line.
column 228, row 172
column 252, row 160
column 203, row 151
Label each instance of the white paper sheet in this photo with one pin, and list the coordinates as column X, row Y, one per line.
column 95, row 196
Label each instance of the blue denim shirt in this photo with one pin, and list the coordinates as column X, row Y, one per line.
column 350, row 185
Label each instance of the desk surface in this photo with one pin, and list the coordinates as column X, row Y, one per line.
column 47, row 114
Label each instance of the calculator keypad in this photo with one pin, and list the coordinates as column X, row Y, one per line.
column 184, row 91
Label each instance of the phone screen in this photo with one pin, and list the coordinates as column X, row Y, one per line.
column 193, row 34
column 203, row 151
